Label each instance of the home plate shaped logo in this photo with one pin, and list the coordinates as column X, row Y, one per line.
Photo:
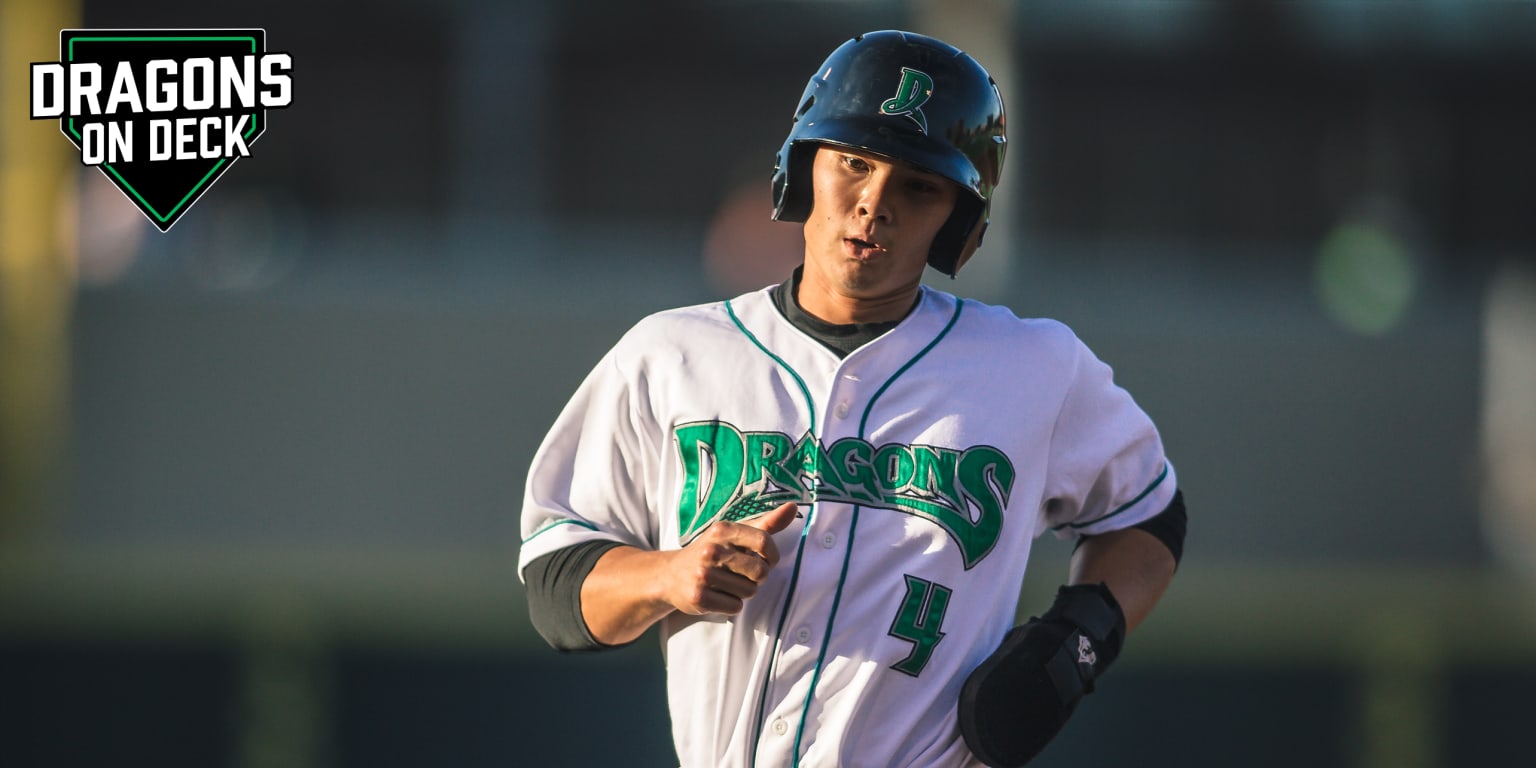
column 163, row 113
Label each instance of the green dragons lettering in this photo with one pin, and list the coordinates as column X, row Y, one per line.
column 733, row 475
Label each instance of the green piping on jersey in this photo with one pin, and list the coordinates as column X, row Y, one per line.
column 556, row 524
column 794, row 574
column 805, row 391
column 1123, row 507
column 864, row 421
column 853, row 525
column 778, row 632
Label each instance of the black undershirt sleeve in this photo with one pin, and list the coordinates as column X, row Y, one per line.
column 554, row 595
column 1168, row 526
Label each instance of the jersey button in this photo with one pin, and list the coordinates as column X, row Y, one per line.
column 803, row 634
column 841, row 411
column 780, row 727
column 828, row 540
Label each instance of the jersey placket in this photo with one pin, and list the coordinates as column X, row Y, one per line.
column 847, row 414
column 769, row 745
column 810, row 608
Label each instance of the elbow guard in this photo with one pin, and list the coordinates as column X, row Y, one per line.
column 1020, row 697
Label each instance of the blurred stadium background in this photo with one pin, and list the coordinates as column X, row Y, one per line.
column 259, row 476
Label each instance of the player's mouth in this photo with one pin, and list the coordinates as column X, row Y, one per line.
column 862, row 248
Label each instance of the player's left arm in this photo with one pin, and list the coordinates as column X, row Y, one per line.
column 1102, row 451
column 1020, row 697
column 1136, row 564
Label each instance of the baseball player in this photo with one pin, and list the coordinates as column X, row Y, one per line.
column 825, row 491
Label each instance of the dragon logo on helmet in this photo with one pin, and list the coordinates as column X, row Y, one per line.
column 912, row 92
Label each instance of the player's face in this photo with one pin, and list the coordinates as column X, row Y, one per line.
column 871, row 224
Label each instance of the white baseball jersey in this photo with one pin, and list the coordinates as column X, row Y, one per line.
column 928, row 461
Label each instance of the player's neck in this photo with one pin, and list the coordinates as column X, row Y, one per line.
column 827, row 304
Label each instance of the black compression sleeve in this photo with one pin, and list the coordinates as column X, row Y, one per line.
column 554, row 595
column 1168, row 526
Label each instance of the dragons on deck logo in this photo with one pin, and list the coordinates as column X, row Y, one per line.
column 162, row 113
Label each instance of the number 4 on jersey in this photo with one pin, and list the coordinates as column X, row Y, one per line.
column 918, row 622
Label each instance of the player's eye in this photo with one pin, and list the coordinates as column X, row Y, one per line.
column 923, row 186
column 855, row 163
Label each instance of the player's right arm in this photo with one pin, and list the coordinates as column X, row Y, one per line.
column 593, row 556
column 630, row 589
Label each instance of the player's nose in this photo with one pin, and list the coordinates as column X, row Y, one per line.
column 874, row 197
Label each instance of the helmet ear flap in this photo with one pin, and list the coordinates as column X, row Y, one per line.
column 959, row 237
column 969, row 248
column 792, row 196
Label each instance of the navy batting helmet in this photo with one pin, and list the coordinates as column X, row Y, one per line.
column 911, row 98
